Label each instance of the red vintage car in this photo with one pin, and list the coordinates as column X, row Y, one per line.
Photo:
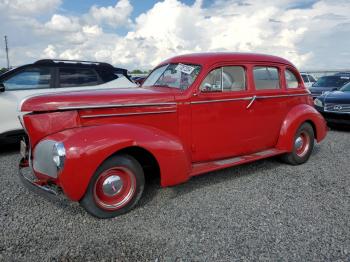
column 193, row 114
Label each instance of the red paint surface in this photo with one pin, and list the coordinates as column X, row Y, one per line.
column 186, row 138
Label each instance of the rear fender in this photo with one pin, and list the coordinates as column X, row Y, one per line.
column 88, row 147
column 294, row 119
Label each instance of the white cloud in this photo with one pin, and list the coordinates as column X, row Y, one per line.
column 114, row 16
column 71, row 54
column 49, row 52
column 63, row 24
column 313, row 37
column 28, row 7
column 94, row 30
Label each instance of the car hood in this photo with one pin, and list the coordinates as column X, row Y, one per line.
column 336, row 97
column 323, row 88
column 97, row 99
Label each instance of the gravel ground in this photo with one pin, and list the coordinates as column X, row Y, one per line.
column 260, row 211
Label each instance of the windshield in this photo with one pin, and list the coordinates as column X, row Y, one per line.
column 179, row 76
column 332, row 81
column 346, row 88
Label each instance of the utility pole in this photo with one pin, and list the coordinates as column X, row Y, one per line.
column 7, row 53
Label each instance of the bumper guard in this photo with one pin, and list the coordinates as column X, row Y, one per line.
column 48, row 191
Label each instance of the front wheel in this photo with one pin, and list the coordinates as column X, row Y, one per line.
column 302, row 146
column 115, row 188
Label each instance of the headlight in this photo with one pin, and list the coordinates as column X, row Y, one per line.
column 49, row 157
column 59, row 155
column 318, row 102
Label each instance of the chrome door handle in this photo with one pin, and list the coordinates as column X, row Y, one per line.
column 251, row 102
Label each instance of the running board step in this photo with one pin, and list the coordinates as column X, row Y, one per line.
column 204, row 167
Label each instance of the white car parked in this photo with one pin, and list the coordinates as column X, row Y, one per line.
column 48, row 76
column 309, row 80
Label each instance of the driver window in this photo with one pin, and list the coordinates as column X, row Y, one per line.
column 224, row 79
column 212, row 83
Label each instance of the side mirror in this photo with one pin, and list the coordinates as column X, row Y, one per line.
column 2, row 87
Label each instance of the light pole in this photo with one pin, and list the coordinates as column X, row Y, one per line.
column 7, row 53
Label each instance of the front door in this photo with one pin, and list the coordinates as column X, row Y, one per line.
column 221, row 120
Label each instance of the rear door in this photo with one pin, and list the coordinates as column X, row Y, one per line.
column 270, row 106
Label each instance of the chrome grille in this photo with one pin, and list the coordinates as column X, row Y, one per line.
column 338, row 108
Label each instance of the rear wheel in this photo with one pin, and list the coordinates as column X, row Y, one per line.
column 302, row 147
column 115, row 188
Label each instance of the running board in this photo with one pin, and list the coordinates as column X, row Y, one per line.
column 204, row 167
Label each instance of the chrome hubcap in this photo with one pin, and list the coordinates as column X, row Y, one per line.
column 112, row 185
column 298, row 142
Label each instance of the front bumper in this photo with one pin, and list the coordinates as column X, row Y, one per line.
column 334, row 117
column 337, row 118
column 45, row 189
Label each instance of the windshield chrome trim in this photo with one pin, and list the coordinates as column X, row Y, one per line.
column 129, row 114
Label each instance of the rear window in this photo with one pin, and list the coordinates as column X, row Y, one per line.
column 74, row 77
column 266, row 78
column 291, row 79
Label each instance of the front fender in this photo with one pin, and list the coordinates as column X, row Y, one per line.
column 88, row 147
column 296, row 117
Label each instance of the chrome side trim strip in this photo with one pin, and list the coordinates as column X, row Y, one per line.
column 129, row 114
column 221, row 100
column 114, row 105
column 246, row 98
column 264, row 97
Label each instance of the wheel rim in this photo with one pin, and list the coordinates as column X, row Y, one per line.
column 302, row 144
column 114, row 188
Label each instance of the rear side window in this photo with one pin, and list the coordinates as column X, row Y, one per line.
column 291, row 79
column 225, row 79
column 266, row 78
column 29, row 78
column 74, row 77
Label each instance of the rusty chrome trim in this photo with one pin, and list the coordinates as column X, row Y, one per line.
column 129, row 114
column 114, row 105
column 246, row 98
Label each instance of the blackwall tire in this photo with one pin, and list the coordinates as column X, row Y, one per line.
column 303, row 144
column 115, row 188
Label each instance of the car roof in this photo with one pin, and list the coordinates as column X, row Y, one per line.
column 215, row 57
column 76, row 63
column 100, row 66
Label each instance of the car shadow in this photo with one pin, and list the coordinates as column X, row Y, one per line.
column 211, row 178
column 339, row 127
column 9, row 148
